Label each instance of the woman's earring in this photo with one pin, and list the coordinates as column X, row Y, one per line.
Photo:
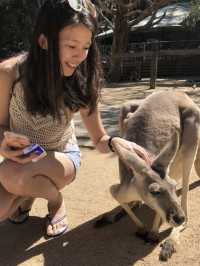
column 42, row 40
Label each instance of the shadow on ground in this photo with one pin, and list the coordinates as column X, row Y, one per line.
column 104, row 246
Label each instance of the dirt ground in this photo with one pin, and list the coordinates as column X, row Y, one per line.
column 87, row 198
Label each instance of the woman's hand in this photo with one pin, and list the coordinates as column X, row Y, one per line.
column 15, row 140
column 132, row 146
column 12, row 147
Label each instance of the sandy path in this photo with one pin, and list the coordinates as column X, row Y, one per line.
column 86, row 199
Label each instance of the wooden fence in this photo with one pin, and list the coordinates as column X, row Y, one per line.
column 153, row 61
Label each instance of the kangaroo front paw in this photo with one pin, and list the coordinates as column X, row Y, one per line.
column 168, row 248
column 107, row 219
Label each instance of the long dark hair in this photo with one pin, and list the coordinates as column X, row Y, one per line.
column 46, row 91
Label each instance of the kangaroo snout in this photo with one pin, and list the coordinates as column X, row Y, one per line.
column 179, row 219
column 176, row 218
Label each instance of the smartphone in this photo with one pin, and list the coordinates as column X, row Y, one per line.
column 36, row 149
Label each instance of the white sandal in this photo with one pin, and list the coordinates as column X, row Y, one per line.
column 63, row 226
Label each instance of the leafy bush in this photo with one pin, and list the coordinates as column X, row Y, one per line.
column 193, row 20
column 16, row 20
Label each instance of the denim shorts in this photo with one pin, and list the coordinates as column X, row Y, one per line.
column 73, row 153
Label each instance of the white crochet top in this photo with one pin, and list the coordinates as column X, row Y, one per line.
column 46, row 131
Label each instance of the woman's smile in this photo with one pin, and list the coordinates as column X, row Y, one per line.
column 71, row 65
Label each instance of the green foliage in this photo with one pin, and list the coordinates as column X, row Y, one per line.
column 193, row 20
column 16, row 20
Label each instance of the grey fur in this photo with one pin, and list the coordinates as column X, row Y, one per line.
column 166, row 124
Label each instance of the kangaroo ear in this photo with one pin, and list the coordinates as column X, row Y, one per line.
column 165, row 157
column 131, row 159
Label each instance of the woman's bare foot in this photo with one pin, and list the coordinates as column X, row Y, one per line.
column 56, row 219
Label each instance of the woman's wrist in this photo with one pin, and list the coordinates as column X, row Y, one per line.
column 110, row 143
column 101, row 144
column 104, row 144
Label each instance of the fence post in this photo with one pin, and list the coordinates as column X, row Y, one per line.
column 154, row 63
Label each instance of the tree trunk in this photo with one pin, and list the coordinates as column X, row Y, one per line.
column 119, row 45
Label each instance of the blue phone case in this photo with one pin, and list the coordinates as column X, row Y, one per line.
column 34, row 148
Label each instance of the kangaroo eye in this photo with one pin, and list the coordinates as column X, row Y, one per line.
column 155, row 189
column 155, row 193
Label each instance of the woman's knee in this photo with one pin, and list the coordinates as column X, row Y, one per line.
column 15, row 185
column 7, row 169
column 12, row 177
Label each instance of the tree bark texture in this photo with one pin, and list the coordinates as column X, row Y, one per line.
column 119, row 45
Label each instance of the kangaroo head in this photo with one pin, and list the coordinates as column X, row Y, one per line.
column 153, row 184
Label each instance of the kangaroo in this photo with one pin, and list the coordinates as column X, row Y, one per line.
column 166, row 124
